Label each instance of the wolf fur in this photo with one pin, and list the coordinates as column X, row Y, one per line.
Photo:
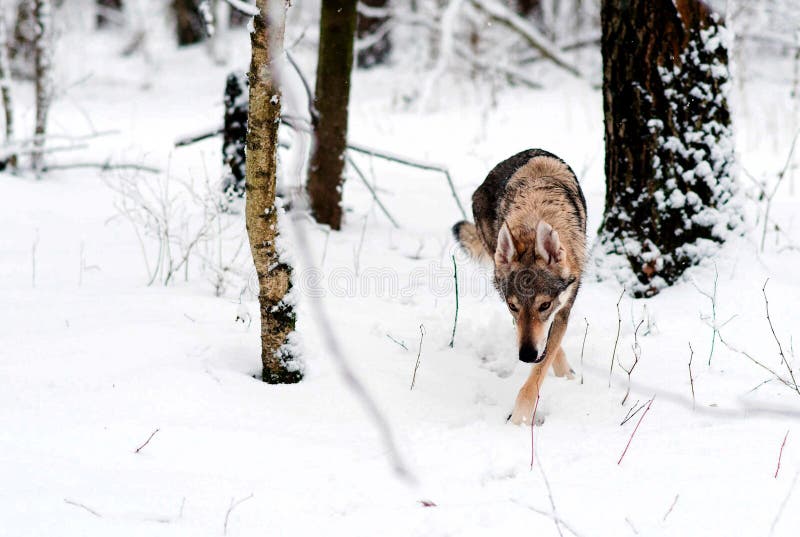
column 530, row 221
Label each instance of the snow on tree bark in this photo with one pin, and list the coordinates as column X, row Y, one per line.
column 332, row 96
column 261, row 212
column 43, row 67
column 234, row 132
column 669, row 149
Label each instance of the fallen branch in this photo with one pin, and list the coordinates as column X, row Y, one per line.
column 82, row 506
column 374, row 194
column 635, row 429
column 747, row 355
column 193, row 138
column 780, row 454
column 104, row 166
column 233, row 506
column 419, row 353
column 398, row 342
column 455, row 320
column 138, row 449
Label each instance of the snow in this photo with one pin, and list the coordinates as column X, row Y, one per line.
column 93, row 360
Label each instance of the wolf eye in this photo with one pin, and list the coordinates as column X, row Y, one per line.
column 545, row 306
column 513, row 307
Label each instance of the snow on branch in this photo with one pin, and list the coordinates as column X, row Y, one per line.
column 244, row 7
column 534, row 37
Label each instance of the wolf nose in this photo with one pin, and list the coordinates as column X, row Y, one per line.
column 528, row 353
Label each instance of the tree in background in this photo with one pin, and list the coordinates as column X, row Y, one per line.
column 372, row 29
column 669, row 149
column 42, row 18
column 9, row 159
column 189, row 23
column 108, row 12
column 332, row 96
column 261, row 213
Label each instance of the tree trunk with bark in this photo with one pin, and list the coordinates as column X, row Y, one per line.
column 669, row 150
column 372, row 29
column 332, row 96
column 261, row 212
column 189, row 24
column 42, row 18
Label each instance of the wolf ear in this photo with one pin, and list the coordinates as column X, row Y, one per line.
column 548, row 245
column 506, row 251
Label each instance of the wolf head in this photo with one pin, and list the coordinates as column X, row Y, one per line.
column 532, row 276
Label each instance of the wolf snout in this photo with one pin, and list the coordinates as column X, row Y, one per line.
column 529, row 354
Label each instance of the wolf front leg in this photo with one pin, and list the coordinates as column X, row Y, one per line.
column 554, row 356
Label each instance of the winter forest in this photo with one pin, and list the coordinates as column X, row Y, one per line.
column 399, row 267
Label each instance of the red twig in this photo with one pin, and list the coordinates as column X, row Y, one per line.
column 533, row 422
column 635, row 429
column 780, row 455
column 138, row 449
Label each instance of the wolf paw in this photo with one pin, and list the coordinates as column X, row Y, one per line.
column 523, row 412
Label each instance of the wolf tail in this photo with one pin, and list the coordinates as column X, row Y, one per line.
column 466, row 234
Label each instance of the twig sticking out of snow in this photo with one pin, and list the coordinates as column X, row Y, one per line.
column 419, row 353
column 783, row 504
column 671, row 507
column 637, row 352
column 771, row 195
column 632, row 411
column 455, row 320
column 774, row 335
column 550, row 496
column 138, row 449
column 583, row 345
column 533, row 423
column 82, row 506
column 234, row 505
column 691, row 378
column 780, row 454
column 398, row 342
column 712, row 296
column 616, row 339
column 635, row 429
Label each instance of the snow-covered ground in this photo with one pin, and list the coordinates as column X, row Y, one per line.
column 92, row 360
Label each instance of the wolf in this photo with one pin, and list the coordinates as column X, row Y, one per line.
column 530, row 222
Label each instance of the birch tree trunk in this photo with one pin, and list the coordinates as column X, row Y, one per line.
column 42, row 66
column 332, row 97
column 669, row 149
column 274, row 276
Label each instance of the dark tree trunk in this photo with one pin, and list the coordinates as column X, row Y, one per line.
column 373, row 30
column 189, row 24
column 261, row 214
column 234, row 133
column 325, row 179
column 669, row 148
column 108, row 12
